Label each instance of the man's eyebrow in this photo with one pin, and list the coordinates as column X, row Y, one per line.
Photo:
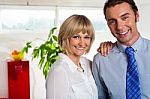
column 125, row 14
column 111, row 19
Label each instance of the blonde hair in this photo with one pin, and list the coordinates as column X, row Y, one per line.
column 73, row 25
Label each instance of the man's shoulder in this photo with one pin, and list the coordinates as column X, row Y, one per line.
column 146, row 42
column 146, row 39
column 144, row 45
column 98, row 56
column 114, row 50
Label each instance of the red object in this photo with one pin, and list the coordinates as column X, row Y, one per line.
column 18, row 80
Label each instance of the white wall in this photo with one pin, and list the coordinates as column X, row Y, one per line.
column 9, row 42
column 144, row 22
column 89, row 3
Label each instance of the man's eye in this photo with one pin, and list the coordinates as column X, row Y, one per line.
column 125, row 18
column 111, row 22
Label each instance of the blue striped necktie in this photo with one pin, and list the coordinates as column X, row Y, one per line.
column 133, row 90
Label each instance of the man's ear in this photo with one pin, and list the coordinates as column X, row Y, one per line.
column 137, row 16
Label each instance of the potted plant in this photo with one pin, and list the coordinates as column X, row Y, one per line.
column 47, row 52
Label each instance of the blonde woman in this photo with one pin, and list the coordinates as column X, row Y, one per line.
column 70, row 76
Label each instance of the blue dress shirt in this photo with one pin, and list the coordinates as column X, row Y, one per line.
column 110, row 71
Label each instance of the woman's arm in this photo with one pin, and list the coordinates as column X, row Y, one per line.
column 57, row 86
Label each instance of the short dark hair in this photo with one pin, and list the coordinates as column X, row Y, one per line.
column 111, row 3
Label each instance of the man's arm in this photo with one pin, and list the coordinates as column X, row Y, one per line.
column 102, row 89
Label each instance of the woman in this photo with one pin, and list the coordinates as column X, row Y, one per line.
column 70, row 76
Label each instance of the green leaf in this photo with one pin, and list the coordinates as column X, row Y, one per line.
column 41, row 62
column 53, row 29
column 55, row 38
column 47, row 52
column 35, row 53
column 52, row 32
column 46, row 69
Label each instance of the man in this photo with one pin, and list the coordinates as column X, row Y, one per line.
column 113, row 73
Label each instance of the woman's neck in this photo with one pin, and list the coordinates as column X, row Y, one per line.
column 75, row 59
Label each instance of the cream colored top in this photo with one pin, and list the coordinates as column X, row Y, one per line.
column 66, row 82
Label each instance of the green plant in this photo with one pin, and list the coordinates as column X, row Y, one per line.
column 47, row 53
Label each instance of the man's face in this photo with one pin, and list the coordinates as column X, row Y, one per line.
column 121, row 20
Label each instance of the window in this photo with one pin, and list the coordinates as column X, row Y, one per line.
column 39, row 19
column 27, row 18
column 94, row 14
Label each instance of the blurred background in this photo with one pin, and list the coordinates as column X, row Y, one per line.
column 30, row 20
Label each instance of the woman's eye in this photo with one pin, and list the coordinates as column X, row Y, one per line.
column 87, row 37
column 76, row 37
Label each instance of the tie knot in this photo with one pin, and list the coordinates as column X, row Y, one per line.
column 129, row 51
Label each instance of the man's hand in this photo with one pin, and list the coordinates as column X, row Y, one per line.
column 105, row 47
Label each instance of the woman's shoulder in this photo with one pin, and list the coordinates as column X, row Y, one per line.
column 83, row 58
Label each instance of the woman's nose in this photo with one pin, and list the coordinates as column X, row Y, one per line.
column 81, row 41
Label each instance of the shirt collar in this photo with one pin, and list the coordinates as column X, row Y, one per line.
column 136, row 46
column 72, row 66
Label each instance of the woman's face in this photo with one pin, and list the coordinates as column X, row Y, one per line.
column 79, row 43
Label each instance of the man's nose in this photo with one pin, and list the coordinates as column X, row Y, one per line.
column 120, row 25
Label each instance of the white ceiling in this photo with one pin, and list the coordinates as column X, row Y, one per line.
column 84, row 3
